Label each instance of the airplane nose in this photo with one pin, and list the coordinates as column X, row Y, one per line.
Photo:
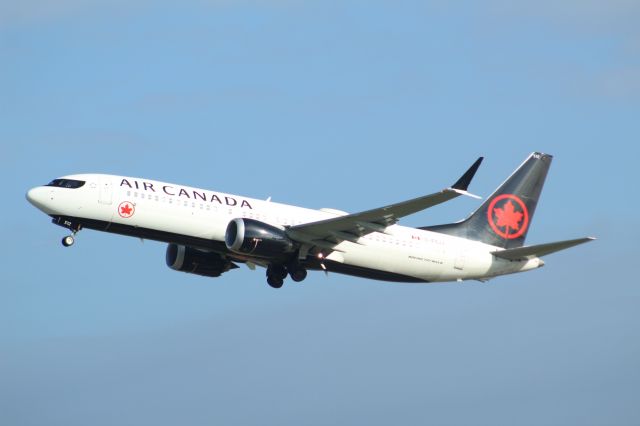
column 31, row 195
column 37, row 196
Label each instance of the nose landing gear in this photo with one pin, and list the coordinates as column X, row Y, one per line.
column 72, row 226
column 68, row 240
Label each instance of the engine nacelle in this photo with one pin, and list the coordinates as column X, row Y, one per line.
column 259, row 239
column 195, row 261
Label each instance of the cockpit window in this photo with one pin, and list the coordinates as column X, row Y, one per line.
column 66, row 183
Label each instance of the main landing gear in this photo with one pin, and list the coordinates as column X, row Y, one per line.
column 277, row 273
column 298, row 273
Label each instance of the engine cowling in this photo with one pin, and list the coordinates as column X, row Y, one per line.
column 195, row 261
column 259, row 239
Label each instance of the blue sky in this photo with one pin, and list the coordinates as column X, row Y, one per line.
column 349, row 105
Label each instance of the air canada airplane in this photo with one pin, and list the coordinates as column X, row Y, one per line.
column 209, row 233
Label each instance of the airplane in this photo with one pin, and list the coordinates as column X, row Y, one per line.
column 209, row 233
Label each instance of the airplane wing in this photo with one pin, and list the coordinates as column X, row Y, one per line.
column 330, row 232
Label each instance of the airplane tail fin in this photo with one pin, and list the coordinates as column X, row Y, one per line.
column 503, row 220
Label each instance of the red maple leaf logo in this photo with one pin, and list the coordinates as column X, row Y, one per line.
column 510, row 218
column 126, row 209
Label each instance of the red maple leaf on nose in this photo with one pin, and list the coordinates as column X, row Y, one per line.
column 126, row 209
column 508, row 217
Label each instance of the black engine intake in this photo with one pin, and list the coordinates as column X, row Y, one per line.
column 259, row 239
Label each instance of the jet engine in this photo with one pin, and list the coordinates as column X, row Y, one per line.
column 259, row 239
column 195, row 261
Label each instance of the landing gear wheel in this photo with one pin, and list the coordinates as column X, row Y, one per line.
column 278, row 271
column 275, row 282
column 298, row 275
column 68, row 241
column 276, row 275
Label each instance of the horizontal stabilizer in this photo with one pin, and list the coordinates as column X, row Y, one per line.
column 539, row 250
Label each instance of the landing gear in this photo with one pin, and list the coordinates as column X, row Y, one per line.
column 275, row 282
column 72, row 226
column 68, row 241
column 277, row 273
column 298, row 274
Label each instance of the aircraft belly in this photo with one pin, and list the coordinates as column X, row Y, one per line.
column 428, row 263
column 396, row 260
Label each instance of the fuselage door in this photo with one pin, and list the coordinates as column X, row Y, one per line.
column 461, row 259
column 105, row 191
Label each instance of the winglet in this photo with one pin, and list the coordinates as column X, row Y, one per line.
column 464, row 181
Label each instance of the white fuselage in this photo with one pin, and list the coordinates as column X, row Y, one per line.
column 200, row 214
